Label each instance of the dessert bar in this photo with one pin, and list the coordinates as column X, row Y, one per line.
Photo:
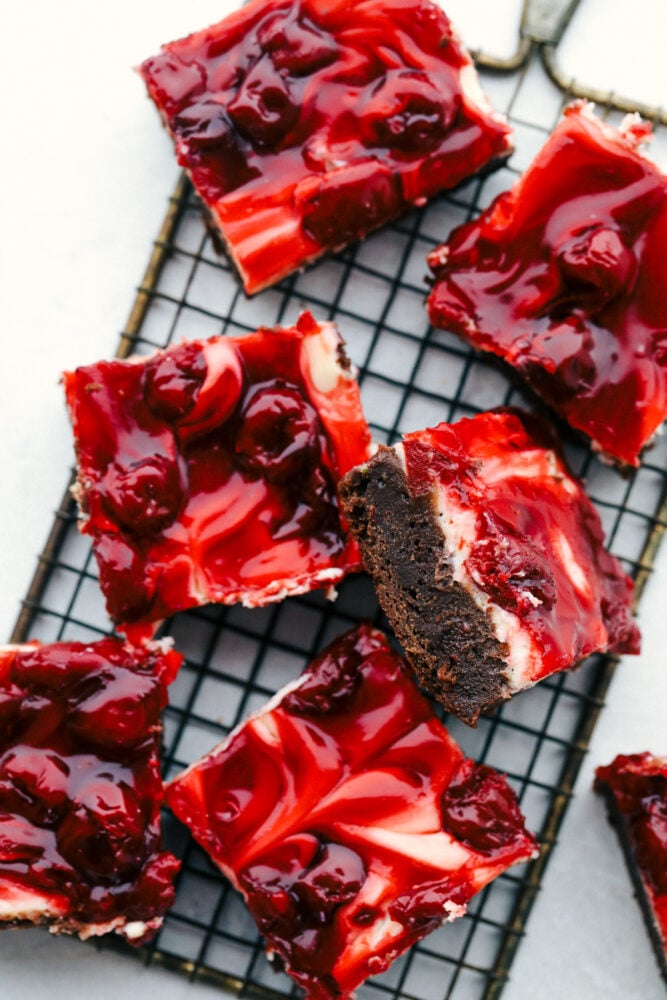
column 305, row 125
column 488, row 558
column 635, row 789
column 80, row 787
column 207, row 472
column 562, row 277
column 348, row 817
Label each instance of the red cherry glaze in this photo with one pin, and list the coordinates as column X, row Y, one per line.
column 561, row 277
column 336, row 811
column 638, row 784
column 534, row 545
column 208, row 472
column 306, row 125
column 80, row 788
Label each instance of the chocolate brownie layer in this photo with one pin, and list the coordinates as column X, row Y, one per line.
column 447, row 639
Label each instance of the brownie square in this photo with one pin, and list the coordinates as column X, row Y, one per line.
column 348, row 818
column 80, row 787
column 562, row 278
column 207, row 472
column 305, row 125
column 488, row 558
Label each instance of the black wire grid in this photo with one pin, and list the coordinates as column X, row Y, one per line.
column 411, row 376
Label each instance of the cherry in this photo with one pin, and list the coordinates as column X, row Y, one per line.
column 598, row 260
column 279, row 431
column 123, row 578
column 174, row 82
column 406, row 111
column 11, row 697
column 509, row 568
column 329, row 684
column 103, row 834
column 426, row 909
column 38, row 772
column 480, row 809
column 335, row 878
column 349, row 202
column 120, row 712
column 263, row 109
column 172, row 380
column 298, row 47
column 144, row 496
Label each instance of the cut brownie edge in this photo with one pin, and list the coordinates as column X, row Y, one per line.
column 450, row 644
column 621, row 786
column 619, row 824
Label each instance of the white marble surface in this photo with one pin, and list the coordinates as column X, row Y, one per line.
column 86, row 173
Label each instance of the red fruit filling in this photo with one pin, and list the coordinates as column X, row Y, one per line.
column 635, row 786
column 80, row 789
column 208, row 472
column 523, row 538
column 349, row 818
column 306, row 125
column 561, row 276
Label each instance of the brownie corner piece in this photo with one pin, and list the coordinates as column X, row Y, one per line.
column 488, row 558
column 348, row 817
column 634, row 787
column 562, row 276
column 306, row 125
column 80, row 789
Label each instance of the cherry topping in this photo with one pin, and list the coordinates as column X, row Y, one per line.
column 329, row 685
column 407, row 112
column 278, row 432
column 509, row 567
column 297, row 46
column 80, row 786
column 172, row 380
column 145, row 496
column 598, row 259
column 479, row 808
column 263, row 109
column 123, row 578
column 350, row 201
column 119, row 712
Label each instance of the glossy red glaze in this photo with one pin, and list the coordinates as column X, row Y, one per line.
column 80, row 787
column 562, row 278
column 638, row 783
column 306, row 125
column 349, row 818
column 208, row 472
column 533, row 543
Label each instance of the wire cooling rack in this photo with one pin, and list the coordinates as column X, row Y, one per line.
column 411, row 376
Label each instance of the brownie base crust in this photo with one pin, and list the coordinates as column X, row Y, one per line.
column 448, row 640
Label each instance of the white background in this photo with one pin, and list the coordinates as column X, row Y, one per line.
column 86, row 173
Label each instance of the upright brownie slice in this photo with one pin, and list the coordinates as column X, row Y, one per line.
column 487, row 557
column 305, row 125
column 80, row 788
column 348, row 817
column 563, row 278
column 207, row 472
column 635, row 789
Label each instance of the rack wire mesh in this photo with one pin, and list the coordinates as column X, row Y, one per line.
column 411, row 376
